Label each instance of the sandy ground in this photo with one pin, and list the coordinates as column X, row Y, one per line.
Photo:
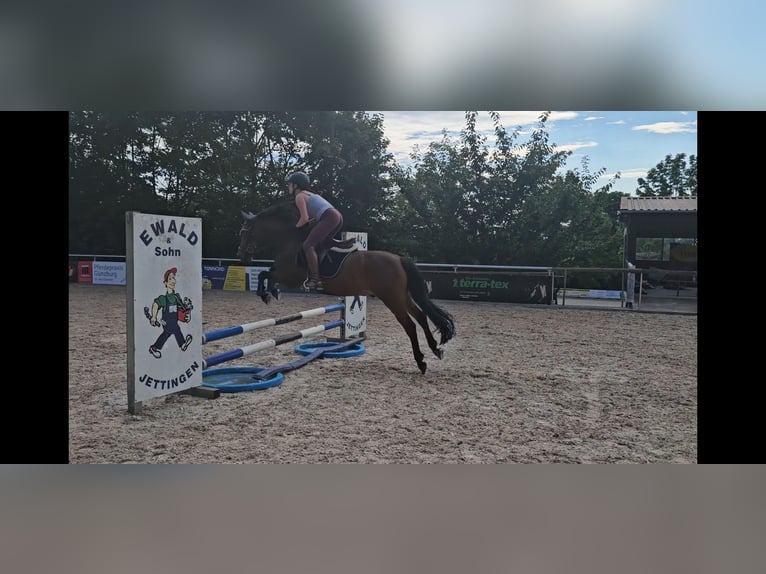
column 518, row 384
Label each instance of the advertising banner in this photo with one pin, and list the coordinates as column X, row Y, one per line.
column 164, row 305
column 109, row 273
column 236, row 278
column 252, row 276
column 504, row 288
column 213, row 276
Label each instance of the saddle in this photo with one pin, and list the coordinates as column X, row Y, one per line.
column 331, row 256
column 340, row 245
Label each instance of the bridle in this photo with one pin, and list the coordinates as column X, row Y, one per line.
column 245, row 240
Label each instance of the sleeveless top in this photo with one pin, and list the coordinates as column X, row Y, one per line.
column 316, row 205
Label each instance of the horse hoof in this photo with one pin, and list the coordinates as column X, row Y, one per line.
column 439, row 353
column 266, row 298
column 422, row 367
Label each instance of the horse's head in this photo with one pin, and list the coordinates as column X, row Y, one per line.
column 272, row 228
column 247, row 240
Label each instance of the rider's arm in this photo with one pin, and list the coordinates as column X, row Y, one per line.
column 300, row 202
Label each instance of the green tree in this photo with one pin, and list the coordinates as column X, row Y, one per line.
column 672, row 177
column 462, row 200
column 108, row 175
column 212, row 165
column 509, row 204
column 347, row 155
column 435, row 189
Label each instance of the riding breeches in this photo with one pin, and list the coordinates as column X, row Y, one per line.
column 325, row 229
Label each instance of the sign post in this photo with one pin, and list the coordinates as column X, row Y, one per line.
column 356, row 306
column 164, row 305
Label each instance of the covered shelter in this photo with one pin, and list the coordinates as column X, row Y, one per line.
column 661, row 236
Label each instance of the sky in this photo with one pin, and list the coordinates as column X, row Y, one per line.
column 628, row 142
column 399, row 54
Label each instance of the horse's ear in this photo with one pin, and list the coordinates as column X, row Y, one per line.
column 247, row 215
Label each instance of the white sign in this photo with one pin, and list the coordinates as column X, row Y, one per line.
column 356, row 306
column 252, row 273
column 109, row 273
column 164, row 305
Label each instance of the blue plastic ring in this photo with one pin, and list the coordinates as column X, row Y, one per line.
column 216, row 379
column 308, row 348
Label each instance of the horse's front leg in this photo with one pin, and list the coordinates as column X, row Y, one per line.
column 263, row 277
column 266, row 291
column 272, row 284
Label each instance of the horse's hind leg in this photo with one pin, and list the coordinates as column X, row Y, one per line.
column 399, row 309
column 422, row 320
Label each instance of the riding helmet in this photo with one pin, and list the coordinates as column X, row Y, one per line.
column 300, row 179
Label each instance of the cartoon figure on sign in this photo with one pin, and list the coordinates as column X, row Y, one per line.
column 174, row 310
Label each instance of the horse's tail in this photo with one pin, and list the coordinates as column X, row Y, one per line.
column 416, row 286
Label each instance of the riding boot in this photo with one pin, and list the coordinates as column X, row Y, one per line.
column 312, row 262
column 313, row 283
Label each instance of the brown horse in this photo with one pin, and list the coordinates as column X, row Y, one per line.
column 394, row 280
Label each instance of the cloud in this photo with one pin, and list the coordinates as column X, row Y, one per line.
column 669, row 127
column 404, row 129
column 575, row 146
column 633, row 173
column 556, row 116
column 617, row 123
column 591, row 118
column 588, row 54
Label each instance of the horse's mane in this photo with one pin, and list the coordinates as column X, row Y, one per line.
column 275, row 225
column 286, row 212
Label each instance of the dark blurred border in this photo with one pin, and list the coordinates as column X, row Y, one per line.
column 35, row 212
column 338, row 54
column 728, row 406
column 452, row 518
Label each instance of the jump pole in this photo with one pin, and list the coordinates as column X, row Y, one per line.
column 269, row 343
column 247, row 327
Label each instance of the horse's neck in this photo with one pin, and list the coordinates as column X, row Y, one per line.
column 291, row 244
column 283, row 239
column 295, row 242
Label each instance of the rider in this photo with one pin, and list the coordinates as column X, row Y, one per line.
column 312, row 206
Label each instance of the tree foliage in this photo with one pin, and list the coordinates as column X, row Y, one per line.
column 508, row 204
column 477, row 197
column 672, row 177
column 212, row 165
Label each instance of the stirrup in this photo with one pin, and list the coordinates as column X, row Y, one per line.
column 313, row 285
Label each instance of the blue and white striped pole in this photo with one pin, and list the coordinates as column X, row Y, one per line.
column 239, row 329
column 260, row 346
